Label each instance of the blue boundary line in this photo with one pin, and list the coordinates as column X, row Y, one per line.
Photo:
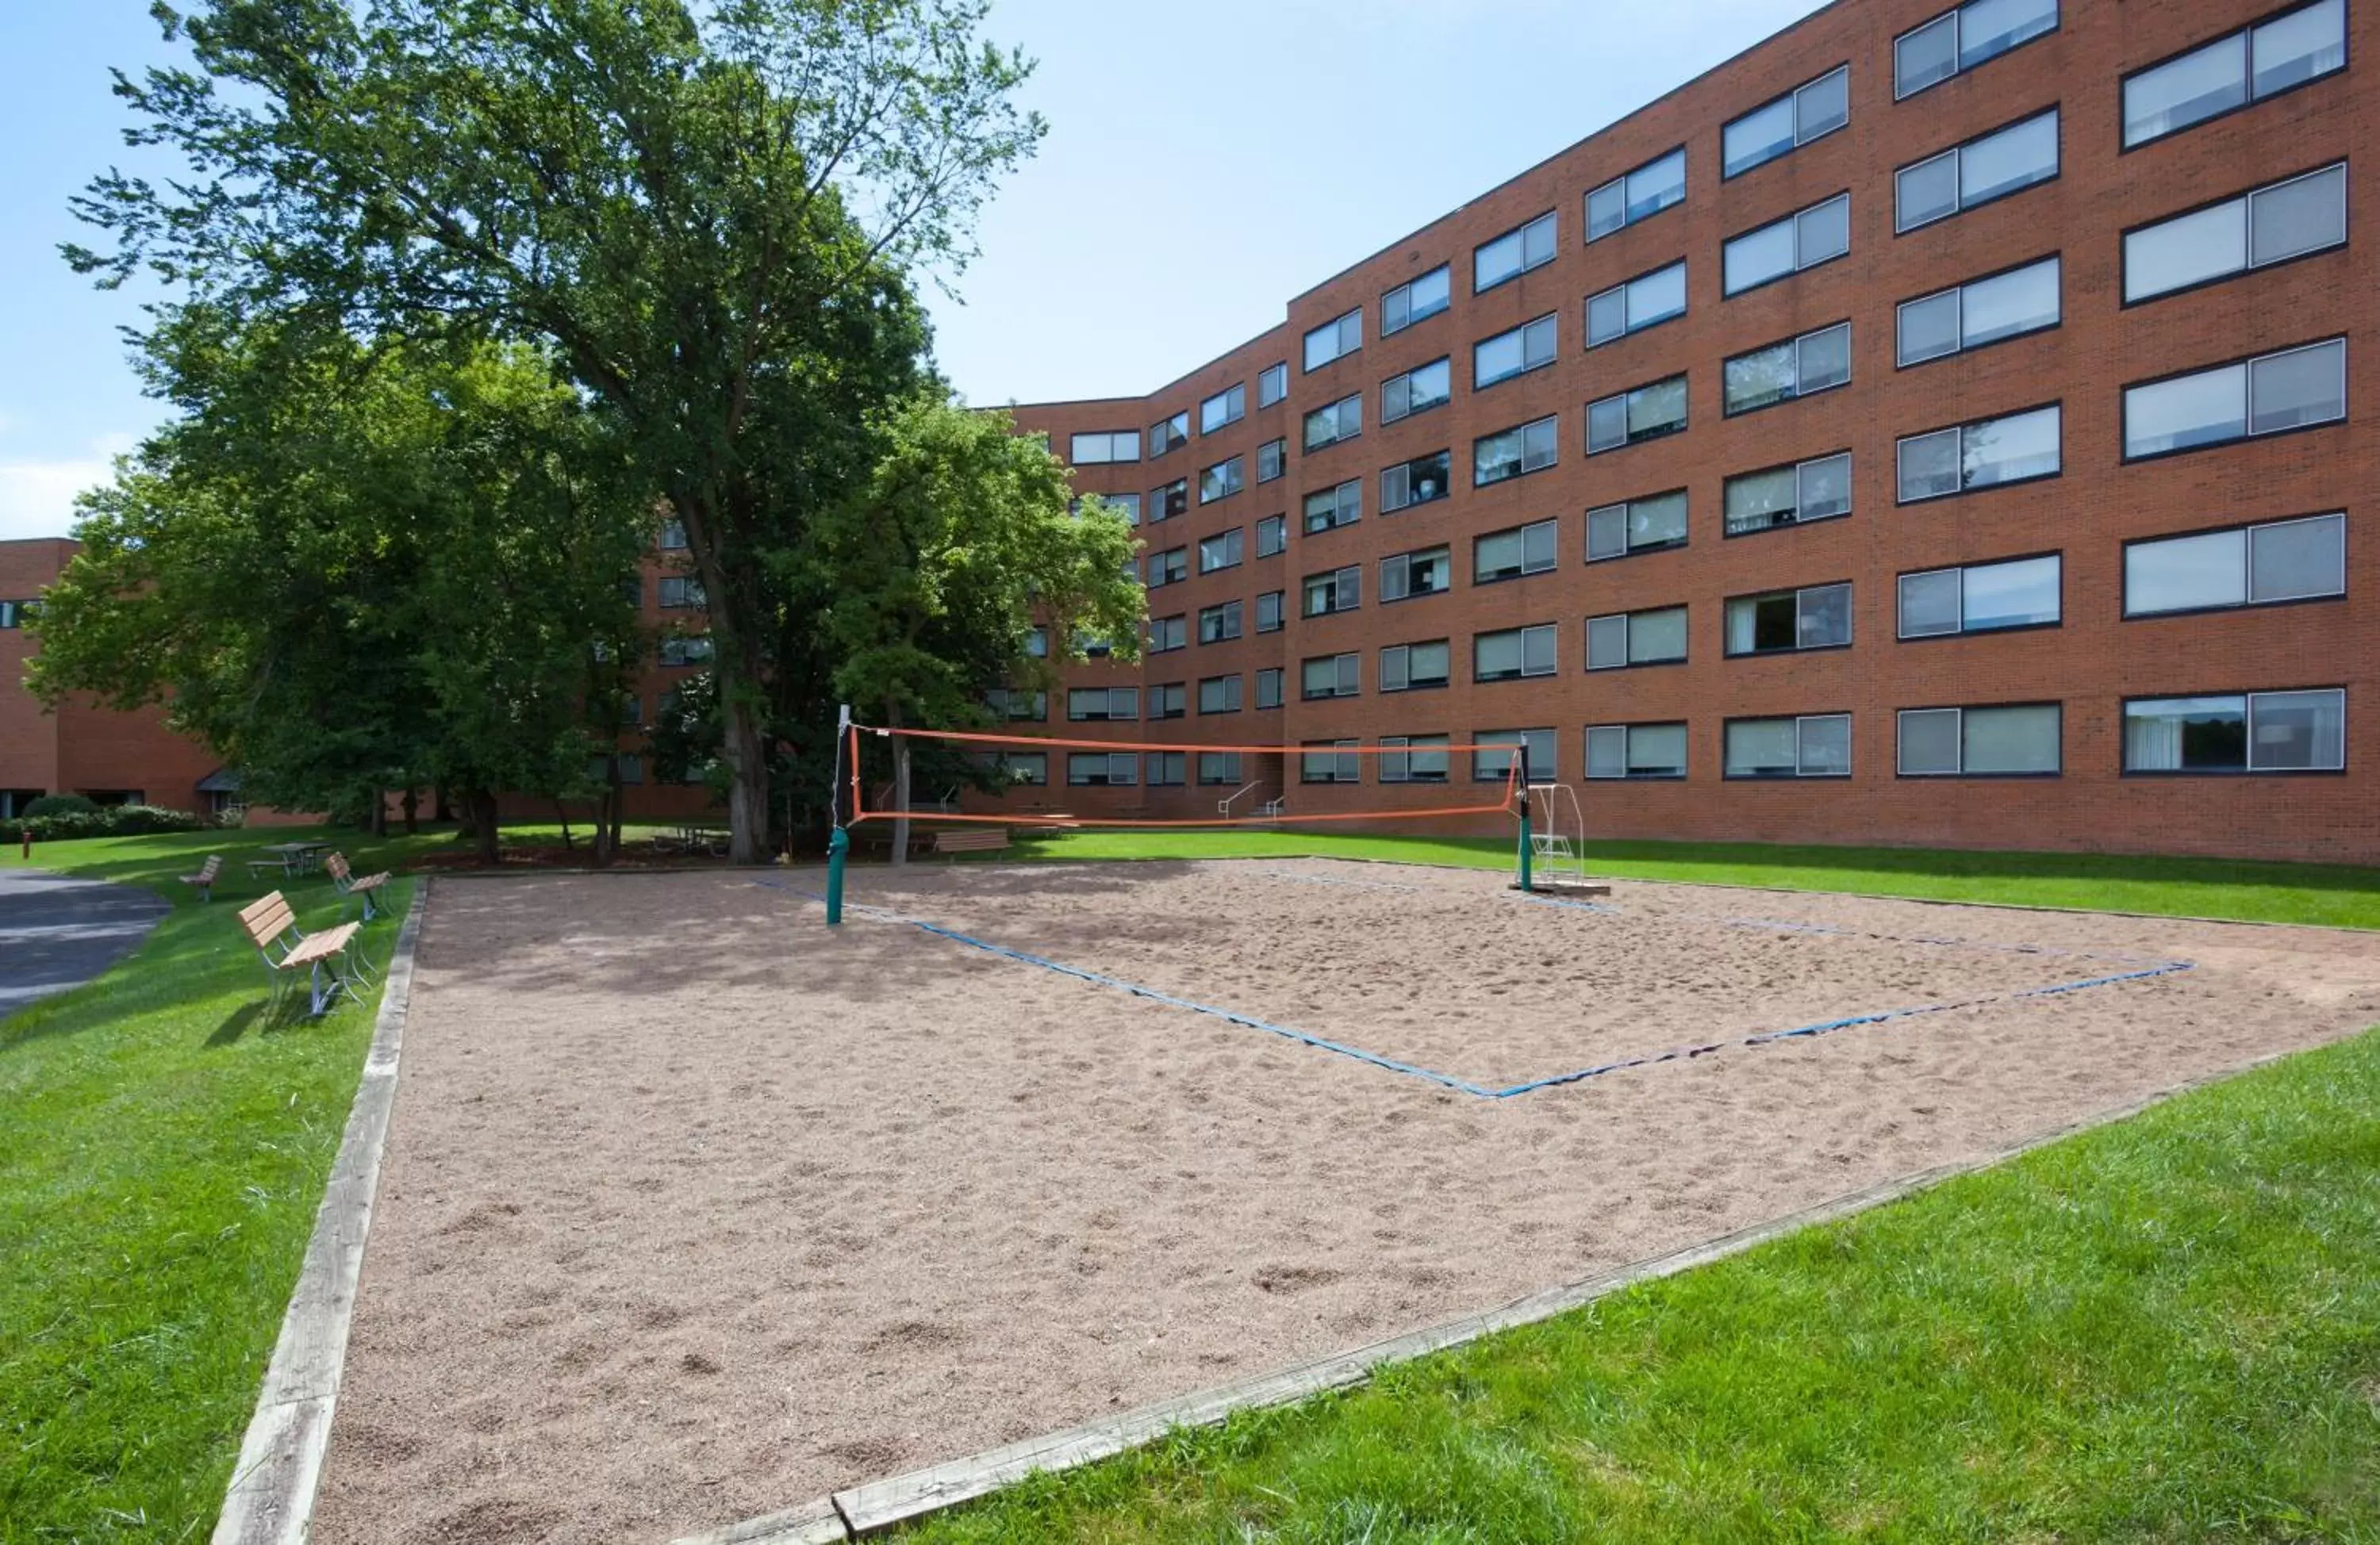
column 1464, row 1086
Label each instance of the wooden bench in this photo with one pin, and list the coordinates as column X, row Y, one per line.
column 331, row 967
column 351, row 884
column 979, row 840
column 203, row 882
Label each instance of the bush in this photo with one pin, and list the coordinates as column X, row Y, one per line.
column 115, row 820
column 62, row 804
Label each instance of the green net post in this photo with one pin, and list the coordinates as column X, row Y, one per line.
column 1527, row 881
column 837, row 845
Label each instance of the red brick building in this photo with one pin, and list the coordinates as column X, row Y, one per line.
column 1935, row 426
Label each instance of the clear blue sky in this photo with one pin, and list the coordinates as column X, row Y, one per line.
column 1204, row 165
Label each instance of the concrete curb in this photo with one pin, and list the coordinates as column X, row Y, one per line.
column 270, row 1501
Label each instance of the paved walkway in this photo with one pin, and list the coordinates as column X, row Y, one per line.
column 58, row 931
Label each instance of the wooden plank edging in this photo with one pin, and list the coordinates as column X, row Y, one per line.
column 882, row 1504
column 270, row 1500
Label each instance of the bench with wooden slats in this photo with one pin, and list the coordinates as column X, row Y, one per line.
column 351, row 884
column 203, row 882
column 329, row 966
column 982, row 839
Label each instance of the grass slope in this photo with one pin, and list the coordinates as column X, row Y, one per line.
column 2167, row 1328
column 162, row 1153
column 2335, row 896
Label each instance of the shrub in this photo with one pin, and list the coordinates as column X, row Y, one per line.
column 116, row 820
column 61, row 804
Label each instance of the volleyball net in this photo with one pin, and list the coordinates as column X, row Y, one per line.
column 1036, row 781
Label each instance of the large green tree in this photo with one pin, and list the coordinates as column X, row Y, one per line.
column 708, row 209
column 961, row 542
column 354, row 569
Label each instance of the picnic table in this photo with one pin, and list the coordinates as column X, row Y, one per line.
column 694, row 836
column 293, row 859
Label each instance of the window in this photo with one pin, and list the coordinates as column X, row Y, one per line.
column 1165, row 768
column 1418, row 481
column 1640, row 195
column 2271, row 224
column 1636, row 304
column 1635, row 751
column 1980, row 311
column 1112, row 445
column 1221, row 480
column 673, row 536
column 1087, row 704
column 1341, row 420
column 1168, row 701
column 1801, row 240
column 1331, row 508
column 1796, row 368
column 1513, row 254
column 1639, row 526
column 1981, row 597
column 1656, row 636
column 1268, row 610
column 1815, row 745
column 1332, row 676
column 1632, row 417
column 1273, row 535
column 1168, row 567
column 1792, row 120
column 687, row 650
column 1272, row 456
column 2247, row 565
column 2011, row 742
column 2003, row 161
column 2235, row 70
column 1980, row 455
column 1331, row 764
column 1028, row 769
column 1511, row 453
column 1219, row 768
column 1525, row 549
column 1513, row 653
column 1963, row 39
column 2250, row 732
column 1492, row 762
column 1429, row 571
column 680, row 593
column 1015, row 703
column 1171, row 500
column 1220, row 695
column 1410, row 303
column 1125, row 504
column 1222, row 551
column 2260, row 396
column 1093, row 647
column 1415, row 667
column 1423, row 759
column 1816, row 617
column 1334, row 339
column 1225, row 408
column 1272, row 384
column 1167, row 633
column 1507, row 355
column 1101, row 770
column 1794, row 495
column 1167, row 433
column 1423, row 386
column 1338, row 590
column 1269, row 687
column 1037, row 643
column 1219, row 623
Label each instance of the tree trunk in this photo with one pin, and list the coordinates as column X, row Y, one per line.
column 378, row 826
column 412, row 811
column 747, row 793
column 569, row 845
column 607, row 815
column 900, row 785
column 483, row 806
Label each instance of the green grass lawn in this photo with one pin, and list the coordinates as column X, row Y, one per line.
column 2164, row 1330
column 2332, row 894
column 162, row 1149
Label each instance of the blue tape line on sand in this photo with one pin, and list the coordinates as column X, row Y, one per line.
column 1464, row 1086
column 1098, row 979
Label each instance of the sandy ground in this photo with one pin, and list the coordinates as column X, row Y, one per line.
column 692, row 1211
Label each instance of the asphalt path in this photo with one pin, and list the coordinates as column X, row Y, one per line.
column 58, row 931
